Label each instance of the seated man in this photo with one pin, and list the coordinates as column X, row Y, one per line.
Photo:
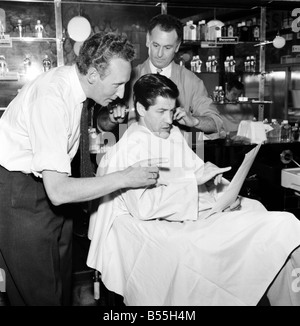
column 232, row 113
column 151, row 245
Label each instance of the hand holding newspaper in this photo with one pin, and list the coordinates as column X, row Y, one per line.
column 231, row 193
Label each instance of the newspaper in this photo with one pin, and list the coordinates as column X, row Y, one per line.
column 231, row 193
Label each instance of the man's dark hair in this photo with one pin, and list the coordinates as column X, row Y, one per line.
column 148, row 87
column 166, row 23
column 235, row 83
column 98, row 50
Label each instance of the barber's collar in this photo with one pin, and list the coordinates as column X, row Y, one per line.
column 166, row 71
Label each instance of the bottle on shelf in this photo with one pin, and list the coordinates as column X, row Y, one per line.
column 295, row 132
column 215, row 95
column 46, row 63
column 252, row 67
column 247, row 64
column 27, row 63
column 39, row 29
column 3, row 66
column 230, row 30
column 255, row 30
column 20, row 28
column 286, row 131
column 198, row 64
column 190, row 31
column 214, row 64
column 201, row 30
column 232, row 64
column 221, row 95
column 226, row 64
column 208, row 64
column 274, row 135
column 193, row 64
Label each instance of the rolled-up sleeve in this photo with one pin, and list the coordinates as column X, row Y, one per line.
column 49, row 135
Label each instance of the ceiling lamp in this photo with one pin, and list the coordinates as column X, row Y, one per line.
column 278, row 42
column 79, row 28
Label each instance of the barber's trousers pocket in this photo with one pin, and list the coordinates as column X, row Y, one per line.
column 25, row 191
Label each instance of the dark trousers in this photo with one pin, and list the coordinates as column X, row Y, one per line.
column 35, row 243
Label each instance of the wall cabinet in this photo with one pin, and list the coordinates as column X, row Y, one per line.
column 16, row 47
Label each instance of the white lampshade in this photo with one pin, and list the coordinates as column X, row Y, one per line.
column 76, row 47
column 279, row 42
column 79, row 28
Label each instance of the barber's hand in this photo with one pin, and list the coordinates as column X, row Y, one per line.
column 185, row 118
column 143, row 173
column 117, row 112
column 235, row 206
column 210, row 171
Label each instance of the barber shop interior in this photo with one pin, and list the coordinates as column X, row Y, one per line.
column 177, row 126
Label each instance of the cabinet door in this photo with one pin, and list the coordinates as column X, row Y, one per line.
column 21, row 40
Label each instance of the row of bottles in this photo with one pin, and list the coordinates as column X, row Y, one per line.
column 46, row 62
column 212, row 64
column 250, row 64
column 218, row 94
column 283, row 132
column 229, row 64
column 245, row 31
column 196, row 64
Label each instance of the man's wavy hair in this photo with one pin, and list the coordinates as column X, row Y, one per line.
column 148, row 87
column 98, row 50
column 166, row 23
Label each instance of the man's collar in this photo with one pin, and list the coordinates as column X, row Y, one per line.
column 166, row 71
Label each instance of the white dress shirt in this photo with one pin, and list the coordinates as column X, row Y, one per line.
column 40, row 128
column 165, row 71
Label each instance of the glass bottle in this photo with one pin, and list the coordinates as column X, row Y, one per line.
column 208, row 64
column 214, row 63
column 20, row 28
column 230, row 30
column 286, row 131
column 247, row 64
column 226, row 64
column 46, row 63
column 221, row 95
column 27, row 64
column 255, row 31
column 274, row 135
column 3, row 66
column 39, row 29
column 198, row 64
column 295, row 132
column 232, row 64
column 252, row 63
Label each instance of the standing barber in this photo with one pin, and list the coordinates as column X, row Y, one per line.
column 39, row 136
column 164, row 36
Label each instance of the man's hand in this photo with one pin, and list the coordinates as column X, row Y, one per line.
column 143, row 173
column 235, row 206
column 185, row 118
column 210, row 171
column 117, row 112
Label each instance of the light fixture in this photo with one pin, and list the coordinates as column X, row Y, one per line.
column 278, row 42
column 79, row 28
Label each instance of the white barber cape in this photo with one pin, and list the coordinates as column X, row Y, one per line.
column 151, row 247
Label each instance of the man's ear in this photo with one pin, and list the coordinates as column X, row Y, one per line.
column 140, row 109
column 148, row 40
column 92, row 75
